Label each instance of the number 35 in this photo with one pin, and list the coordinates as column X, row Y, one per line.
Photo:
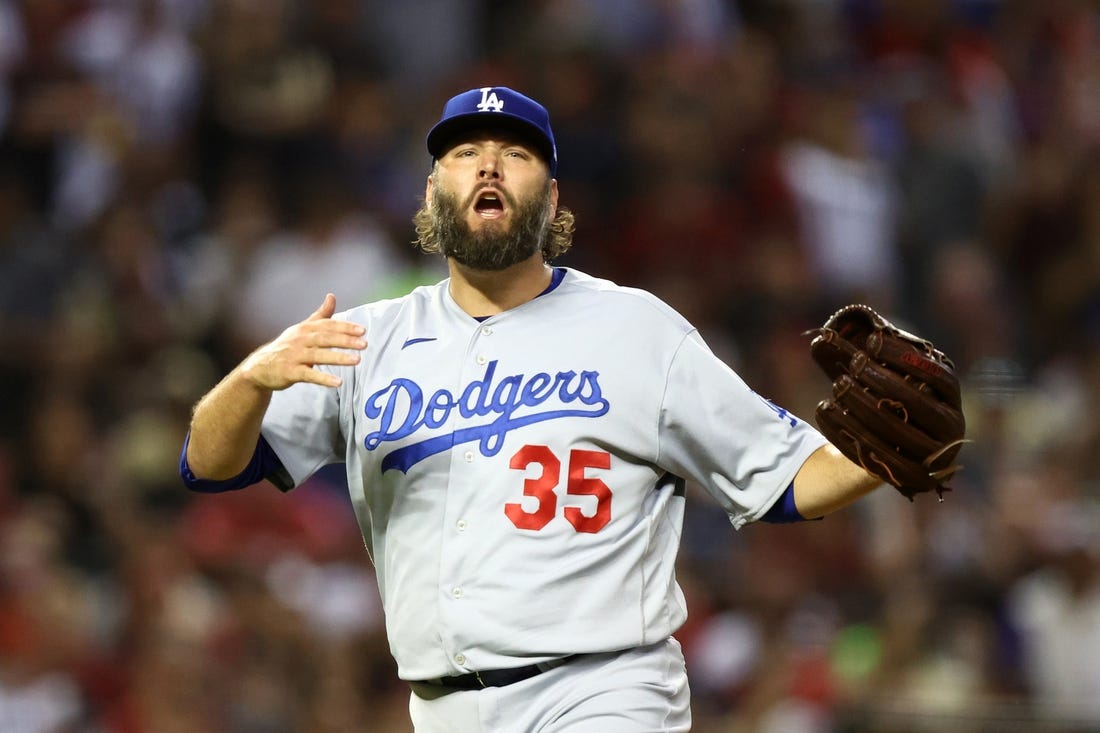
column 577, row 484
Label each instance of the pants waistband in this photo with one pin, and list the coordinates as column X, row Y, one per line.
column 494, row 677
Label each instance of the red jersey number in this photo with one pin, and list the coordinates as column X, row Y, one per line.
column 577, row 484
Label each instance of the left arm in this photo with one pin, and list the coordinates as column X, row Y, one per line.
column 828, row 481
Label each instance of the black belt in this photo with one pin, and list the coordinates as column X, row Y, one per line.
column 494, row 677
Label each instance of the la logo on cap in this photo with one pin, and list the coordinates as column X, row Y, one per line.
column 490, row 102
column 496, row 107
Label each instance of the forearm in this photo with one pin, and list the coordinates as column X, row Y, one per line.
column 225, row 427
column 828, row 481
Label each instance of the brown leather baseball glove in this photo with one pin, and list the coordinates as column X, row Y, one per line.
column 896, row 408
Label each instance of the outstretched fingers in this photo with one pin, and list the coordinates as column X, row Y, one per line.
column 330, row 343
column 330, row 356
column 294, row 356
column 305, row 374
column 333, row 335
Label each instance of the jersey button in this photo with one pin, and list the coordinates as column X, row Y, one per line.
column 460, row 659
column 469, row 456
column 456, row 593
column 482, row 359
column 460, row 525
column 488, row 331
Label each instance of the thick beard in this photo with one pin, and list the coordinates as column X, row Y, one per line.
column 494, row 247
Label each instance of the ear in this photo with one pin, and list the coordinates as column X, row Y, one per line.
column 553, row 198
column 428, row 190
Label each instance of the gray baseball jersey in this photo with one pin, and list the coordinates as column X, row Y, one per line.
column 519, row 480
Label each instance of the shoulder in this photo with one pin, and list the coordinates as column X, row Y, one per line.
column 620, row 301
column 391, row 310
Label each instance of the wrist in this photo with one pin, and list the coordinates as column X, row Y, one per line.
column 252, row 376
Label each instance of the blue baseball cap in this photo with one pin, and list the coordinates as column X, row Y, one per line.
column 495, row 107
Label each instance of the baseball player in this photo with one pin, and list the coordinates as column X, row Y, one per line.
column 517, row 439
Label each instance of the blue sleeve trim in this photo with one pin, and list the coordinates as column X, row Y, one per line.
column 783, row 510
column 263, row 465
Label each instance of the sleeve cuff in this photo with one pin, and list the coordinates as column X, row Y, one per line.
column 264, row 464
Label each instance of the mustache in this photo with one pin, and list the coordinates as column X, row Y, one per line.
column 506, row 195
column 491, row 248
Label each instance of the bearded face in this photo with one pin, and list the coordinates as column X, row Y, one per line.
column 497, row 244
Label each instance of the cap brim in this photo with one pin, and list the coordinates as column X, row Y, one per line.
column 441, row 137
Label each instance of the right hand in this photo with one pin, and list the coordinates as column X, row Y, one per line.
column 293, row 356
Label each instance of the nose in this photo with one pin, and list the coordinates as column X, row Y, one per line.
column 487, row 167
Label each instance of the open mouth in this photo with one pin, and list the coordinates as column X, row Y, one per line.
column 489, row 205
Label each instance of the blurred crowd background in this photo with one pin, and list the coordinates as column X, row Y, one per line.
column 181, row 179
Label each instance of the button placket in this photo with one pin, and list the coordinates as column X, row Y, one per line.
column 462, row 481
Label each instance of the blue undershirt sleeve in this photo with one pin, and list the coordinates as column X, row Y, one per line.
column 783, row 510
column 264, row 465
